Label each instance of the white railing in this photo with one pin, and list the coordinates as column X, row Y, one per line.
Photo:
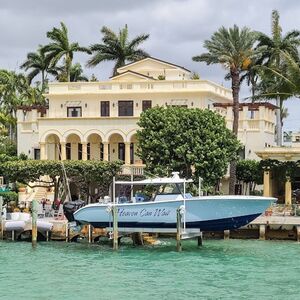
column 253, row 124
column 136, row 86
column 133, row 170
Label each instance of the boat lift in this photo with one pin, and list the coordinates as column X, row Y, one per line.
column 181, row 231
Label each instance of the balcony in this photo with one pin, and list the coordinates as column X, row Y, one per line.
column 107, row 87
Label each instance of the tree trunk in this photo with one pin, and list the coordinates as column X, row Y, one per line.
column 235, row 79
column 278, row 122
column 43, row 79
column 68, row 67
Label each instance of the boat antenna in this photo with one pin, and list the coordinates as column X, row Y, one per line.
column 199, row 186
column 65, row 174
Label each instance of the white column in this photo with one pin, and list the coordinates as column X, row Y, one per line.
column 84, row 150
column 127, row 153
column 63, row 150
column 105, row 151
column 288, row 191
column 43, row 151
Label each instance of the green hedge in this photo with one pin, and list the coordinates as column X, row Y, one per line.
column 9, row 196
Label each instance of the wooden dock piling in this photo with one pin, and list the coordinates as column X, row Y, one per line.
column 262, row 232
column 67, row 232
column 226, row 234
column 34, row 210
column 298, row 233
column 200, row 240
column 115, row 228
column 90, row 234
column 115, row 217
column 178, row 231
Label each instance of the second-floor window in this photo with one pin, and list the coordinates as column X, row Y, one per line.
column 125, row 108
column 104, row 108
column 146, row 104
column 74, row 111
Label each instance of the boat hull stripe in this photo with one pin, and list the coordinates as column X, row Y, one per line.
column 210, row 225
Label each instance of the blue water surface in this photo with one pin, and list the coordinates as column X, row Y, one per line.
column 233, row 269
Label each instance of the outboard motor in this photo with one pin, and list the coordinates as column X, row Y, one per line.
column 70, row 207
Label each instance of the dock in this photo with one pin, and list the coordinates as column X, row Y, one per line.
column 265, row 227
column 281, row 226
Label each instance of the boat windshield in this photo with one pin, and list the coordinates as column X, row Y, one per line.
column 148, row 193
column 170, row 188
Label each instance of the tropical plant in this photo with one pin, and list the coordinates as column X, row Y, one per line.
column 7, row 147
column 60, row 47
column 249, row 173
column 276, row 51
column 12, row 94
column 195, row 76
column 38, row 63
column 233, row 48
column 76, row 74
column 9, row 197
column 93, row 78
column 194, row 142
column 117, row 48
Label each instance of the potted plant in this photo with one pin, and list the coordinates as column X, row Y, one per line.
column 21, row 187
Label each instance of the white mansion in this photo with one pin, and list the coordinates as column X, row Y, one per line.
column 98, row 120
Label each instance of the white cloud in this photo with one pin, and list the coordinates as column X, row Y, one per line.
column 177, row 27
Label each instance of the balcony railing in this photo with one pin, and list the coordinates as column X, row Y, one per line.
column 133, row 170
column 155, row 85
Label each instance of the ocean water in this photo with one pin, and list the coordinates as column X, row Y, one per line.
column 234, row 269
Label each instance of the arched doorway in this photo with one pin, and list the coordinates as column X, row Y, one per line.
column 94, row 147
column 116, row 147
column 73, row 147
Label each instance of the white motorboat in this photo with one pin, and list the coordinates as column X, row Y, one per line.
column 207, row 213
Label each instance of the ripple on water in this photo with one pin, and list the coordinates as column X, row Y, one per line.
column 235, row 269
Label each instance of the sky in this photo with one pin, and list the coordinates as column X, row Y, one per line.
column 177, row 29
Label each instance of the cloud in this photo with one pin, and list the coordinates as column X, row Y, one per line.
column 177, row 27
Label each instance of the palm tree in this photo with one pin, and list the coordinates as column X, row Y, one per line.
column 61, row 47
column 38, row 63
column 274, row 49
column 12, row 88
column 232, row 48
column 76, row 73
column 117, row 47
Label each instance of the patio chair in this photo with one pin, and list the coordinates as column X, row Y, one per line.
column 41, row 211
column 59, row 213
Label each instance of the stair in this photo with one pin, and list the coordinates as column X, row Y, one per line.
column 40, row 193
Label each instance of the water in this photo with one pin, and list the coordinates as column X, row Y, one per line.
column 234, row 269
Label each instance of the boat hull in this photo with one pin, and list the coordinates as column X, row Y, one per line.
column 205, row 213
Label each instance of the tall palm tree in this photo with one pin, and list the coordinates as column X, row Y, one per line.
column 118, row 48
column 38, row 63
column 231, row 48
column 12, row 88
column 61, row 47
column 274, row 47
